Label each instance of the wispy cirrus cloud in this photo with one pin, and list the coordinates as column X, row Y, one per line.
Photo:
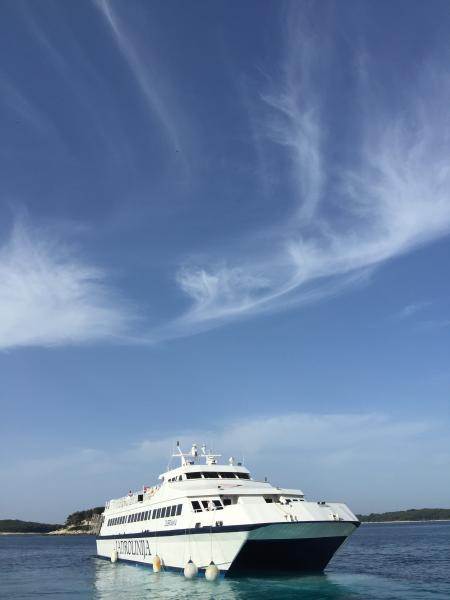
column 349, row 218
column 50, row 297
column 412, row 309
column 144, row 70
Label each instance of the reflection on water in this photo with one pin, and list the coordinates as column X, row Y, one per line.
column 139, row 582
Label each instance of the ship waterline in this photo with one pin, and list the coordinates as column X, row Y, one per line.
column 216, row 513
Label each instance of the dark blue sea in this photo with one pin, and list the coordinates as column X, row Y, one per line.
column 402, row 561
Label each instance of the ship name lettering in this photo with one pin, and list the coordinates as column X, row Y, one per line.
column 133, row 547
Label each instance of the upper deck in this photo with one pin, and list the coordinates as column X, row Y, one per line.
column 200, row 473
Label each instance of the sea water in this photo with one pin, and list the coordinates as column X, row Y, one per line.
column 399, row 561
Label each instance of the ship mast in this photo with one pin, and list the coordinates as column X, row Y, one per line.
column 189, row 458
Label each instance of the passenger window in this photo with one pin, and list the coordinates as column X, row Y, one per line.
column 179, row 507
column 226, row 501
column 205, row 503
column 158, row 513
column 173, row 511
column 209, row 475
column 195, row 475
column 227, row 475
column 243, row 475
column 196, row 505
column 218, row 504
column 154, row 513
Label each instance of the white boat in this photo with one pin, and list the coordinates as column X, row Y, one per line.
column 205, row 512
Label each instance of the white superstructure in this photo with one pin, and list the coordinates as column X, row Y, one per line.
column 206, row 512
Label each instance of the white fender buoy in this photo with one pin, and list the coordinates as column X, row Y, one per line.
column 211, row 572
column 114, row 556
column 190, row 570
column 156, row 562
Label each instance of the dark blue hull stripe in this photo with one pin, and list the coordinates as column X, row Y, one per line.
column 206, row 529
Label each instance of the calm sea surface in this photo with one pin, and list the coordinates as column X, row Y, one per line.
column 408, row 561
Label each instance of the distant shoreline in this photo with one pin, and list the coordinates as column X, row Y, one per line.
column 410, row 521
column 23, row 533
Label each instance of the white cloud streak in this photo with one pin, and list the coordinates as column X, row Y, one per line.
column 143, row 71
column 318, row 453
column 410, row 310
column 394, row 198
column 49, row 297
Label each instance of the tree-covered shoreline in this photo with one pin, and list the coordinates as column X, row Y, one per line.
column 412, row 514
column 18, row 526
column 79, row 521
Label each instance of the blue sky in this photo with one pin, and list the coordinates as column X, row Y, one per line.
column 225, row 222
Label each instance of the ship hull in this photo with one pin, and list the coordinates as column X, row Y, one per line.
column 236, row 550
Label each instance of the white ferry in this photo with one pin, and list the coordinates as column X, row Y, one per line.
column 212, row 517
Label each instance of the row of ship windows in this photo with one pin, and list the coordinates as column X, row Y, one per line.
column 158, row 513
column 220, row 475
